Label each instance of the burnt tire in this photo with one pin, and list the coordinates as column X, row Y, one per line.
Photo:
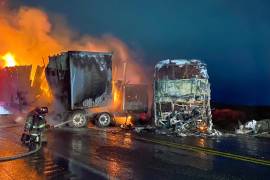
column 77, row 119
column 103, row 120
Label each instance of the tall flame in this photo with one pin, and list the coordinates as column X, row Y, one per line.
column 9, row 60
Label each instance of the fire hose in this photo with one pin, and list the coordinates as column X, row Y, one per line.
column 61, row 124
column 22, row 155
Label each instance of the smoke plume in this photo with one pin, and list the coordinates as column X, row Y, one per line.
column 31, row 37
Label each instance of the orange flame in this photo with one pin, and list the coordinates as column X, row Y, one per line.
column 123, row 120
column 9, row 60
column 46, row 91
column 117, row 96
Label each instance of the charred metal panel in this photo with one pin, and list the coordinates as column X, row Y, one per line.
column 57, row 75
column 136, row 98
column 15, row 86
column 81, row 79
column 181, row 94
column 17, row 90
column 91, row 78
column 181, row 90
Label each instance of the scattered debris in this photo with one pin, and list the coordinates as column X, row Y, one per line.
column 147, row 128
column 126, row 126
column 254, row 127
column 171, row 132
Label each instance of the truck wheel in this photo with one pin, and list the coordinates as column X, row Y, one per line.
column 77, row 119
column 103, row 120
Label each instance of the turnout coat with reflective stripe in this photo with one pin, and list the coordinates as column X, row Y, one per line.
column 35, row 123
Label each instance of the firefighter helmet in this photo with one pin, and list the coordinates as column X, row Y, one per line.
column 42, row 110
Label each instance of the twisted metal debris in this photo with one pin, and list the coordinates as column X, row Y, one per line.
column 182, row 96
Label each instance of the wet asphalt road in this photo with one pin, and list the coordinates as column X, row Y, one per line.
column 117, row 154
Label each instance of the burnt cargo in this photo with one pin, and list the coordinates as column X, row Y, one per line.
column 80, row 79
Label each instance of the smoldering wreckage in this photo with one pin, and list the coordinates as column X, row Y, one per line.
column 83, row 88
column 182, row 96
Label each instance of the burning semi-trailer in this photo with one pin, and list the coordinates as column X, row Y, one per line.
column 182, row 96
column 83, row 88
column 17, row 91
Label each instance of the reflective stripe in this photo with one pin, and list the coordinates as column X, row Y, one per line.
column 40, row 126
column 34, row 134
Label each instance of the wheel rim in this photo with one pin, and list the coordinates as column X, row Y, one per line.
column 78, row 120
column 104, row 119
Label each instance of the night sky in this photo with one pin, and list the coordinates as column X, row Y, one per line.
column 232, row 37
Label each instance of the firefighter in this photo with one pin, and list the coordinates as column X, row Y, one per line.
column 35, row 126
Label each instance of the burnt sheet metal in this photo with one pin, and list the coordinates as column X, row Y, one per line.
column 17, row 90
column 81, row 79
column 136, row 98
column 15, row 87
column 182, row 96
column 57, row 75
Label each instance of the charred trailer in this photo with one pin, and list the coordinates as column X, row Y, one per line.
column 79, row 81
column 15, row 86
column 17, row 91
column 182, row 96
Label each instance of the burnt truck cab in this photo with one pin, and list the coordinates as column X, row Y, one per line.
column 129, row 106
column 182, row 95
column 135, row 102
